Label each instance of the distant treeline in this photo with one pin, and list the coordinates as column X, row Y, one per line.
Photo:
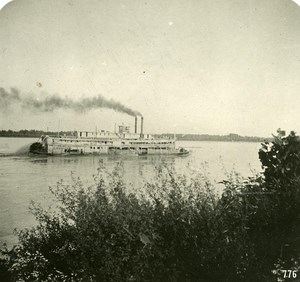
column 206, row 137
column 30, row 133
column 188, row 137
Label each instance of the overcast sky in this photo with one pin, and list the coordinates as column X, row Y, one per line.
column 189, row 66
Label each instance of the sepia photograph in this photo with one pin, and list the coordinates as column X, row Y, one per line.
column 149, row 140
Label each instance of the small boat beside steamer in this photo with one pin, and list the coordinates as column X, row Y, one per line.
column 107, row 143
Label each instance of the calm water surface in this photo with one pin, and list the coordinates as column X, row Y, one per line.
column 24, row 178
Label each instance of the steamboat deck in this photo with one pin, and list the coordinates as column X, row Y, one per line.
column 104, row 142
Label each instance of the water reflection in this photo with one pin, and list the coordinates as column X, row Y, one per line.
column 92, row 160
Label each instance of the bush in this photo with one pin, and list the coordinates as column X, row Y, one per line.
column 177, row 230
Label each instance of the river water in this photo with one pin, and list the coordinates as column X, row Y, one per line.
column 24, row 178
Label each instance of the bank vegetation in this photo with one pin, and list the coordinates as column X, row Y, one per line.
column 178, row 229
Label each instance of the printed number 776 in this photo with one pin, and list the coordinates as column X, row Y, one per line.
column 289, row 273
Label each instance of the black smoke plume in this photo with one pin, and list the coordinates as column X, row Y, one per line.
column 50, row 103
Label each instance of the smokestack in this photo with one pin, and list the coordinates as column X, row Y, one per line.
column 142, row 125
column 135, row 125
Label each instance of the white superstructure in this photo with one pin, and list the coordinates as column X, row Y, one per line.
column 104, row 142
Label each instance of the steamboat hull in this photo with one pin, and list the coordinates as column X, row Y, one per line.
column 78, row 146
column 103, row 142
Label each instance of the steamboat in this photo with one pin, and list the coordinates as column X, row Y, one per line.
column 107, row 143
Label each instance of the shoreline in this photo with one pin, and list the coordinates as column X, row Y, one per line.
column 190, row 140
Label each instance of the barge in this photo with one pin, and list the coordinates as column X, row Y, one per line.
column 107, row 143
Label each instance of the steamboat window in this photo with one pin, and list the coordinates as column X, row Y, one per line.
column 98, row 147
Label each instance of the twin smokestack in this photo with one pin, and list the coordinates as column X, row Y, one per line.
column 136, row 124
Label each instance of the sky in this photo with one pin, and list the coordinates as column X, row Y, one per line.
column 193, row 66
